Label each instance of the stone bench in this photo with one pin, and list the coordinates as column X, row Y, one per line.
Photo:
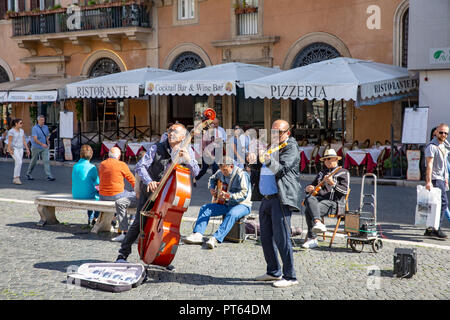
column 46, row 205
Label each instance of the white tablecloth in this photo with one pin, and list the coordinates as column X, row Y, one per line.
column 109, row 144
column 307, row 150
column 357, row 155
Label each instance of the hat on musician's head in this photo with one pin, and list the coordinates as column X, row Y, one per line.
column 330, row 153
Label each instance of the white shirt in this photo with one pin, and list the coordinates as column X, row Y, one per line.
column 17, row 138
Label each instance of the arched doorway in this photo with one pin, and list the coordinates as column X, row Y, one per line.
column 102, row 111
column 183, row 108
column 103, row 67
column 187, row 61
column 318, row 119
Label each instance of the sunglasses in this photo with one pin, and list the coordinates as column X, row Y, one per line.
column 443, row 132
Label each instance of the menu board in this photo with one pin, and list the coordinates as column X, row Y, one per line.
column 66, row 125
column 415, row 126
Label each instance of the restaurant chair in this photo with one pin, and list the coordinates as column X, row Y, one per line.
column 312, row 162
column 342, row 209
column 366, row 144
column 355, row 145
column 380, row 163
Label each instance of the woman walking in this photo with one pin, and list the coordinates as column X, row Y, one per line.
column 16, row 144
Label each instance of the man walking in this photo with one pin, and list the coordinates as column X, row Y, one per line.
column 436, row 158
column 39, row 147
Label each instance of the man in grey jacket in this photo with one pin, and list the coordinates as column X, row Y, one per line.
column 280, row 186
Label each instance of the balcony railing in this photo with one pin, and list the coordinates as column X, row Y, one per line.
column 132, row 15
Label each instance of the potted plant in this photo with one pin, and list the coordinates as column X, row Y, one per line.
column 242, row 7
column 397, row 169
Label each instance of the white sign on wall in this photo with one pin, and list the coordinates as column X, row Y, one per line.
column 439, row 55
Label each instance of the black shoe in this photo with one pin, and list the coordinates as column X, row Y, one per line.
column 50, row 179
column 440, row 234
column 121, row 259
column 428, row 232
column 194, row 182
column 29, row 177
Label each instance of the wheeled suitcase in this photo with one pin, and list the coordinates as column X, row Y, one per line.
column 405, row 262
column 112, row 277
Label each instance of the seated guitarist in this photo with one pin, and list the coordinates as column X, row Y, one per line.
column 236, row 203
column 333, row 189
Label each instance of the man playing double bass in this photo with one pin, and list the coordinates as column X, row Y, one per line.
column 151, row 169
column 279, row 184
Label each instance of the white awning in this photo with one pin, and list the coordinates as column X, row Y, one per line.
column 339, row 78
column 32, row 96
column 36, row 89
column 117, row 85
column 3, row 96
column 221, row 79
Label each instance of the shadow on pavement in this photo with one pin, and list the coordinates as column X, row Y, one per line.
column 159, row 276
column 64, row 266
column 77, row 231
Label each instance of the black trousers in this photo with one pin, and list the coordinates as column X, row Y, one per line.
column 135, row 228
column 317, row 207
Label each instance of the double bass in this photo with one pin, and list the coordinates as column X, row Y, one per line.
column 160, row 236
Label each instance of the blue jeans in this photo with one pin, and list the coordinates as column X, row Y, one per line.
column 92, row 215
column 276, row 236
column 232, row 214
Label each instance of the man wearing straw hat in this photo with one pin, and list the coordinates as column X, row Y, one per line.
column 334, row 188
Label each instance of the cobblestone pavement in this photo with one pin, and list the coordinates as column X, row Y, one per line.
column 35, row 260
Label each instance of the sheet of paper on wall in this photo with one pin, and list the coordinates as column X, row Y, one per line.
column 415, row 126
column 66, row 124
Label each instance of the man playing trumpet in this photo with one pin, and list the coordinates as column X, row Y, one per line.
column 279, row 184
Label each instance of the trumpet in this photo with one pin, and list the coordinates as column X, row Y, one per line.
column 272, row 150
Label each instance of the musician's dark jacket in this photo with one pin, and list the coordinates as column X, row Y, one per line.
column 285, row 164
column 336, row 192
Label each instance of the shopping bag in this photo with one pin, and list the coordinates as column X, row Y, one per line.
column 428, row 208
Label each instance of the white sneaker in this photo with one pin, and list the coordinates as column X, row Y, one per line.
column 310, row 243
column 267, row 277
column 284, row 283
column 194, row 238
column 211, row 243
column 319, row 227
column 119, row 238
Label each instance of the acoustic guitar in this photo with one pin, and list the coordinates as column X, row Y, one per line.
column 220, row 188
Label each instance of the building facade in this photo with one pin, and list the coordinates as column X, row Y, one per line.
column 429, row 54
column 186, row 34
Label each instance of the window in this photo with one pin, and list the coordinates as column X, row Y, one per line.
column 186, row 9
column 247, row 17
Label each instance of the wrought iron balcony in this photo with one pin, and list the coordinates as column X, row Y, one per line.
column 95, row 18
